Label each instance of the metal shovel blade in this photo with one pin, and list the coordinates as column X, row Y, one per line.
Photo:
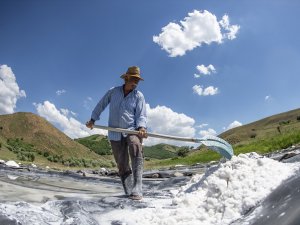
column 219, row 145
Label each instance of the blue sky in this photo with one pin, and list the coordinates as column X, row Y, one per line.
column 207, row 65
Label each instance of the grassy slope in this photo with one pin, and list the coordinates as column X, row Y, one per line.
column 97, row 143
column 100, row 145
column 43, row 136
column 262, row 136
column 269, row 134
column 160, row 151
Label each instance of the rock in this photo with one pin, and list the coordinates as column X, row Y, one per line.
column 2, row 161
column 188, row 174
column 155, row 175
column 103, row 171
column 11, row 163
column 177, row 174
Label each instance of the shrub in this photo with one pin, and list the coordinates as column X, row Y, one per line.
column 278, row 129
column 50, row 158
column 26, row 156
column 32, row 157
column 183, row 152
column 285, row 122
column 298, row 118
column 113, row 164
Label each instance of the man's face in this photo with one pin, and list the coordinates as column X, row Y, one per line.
column 132, row 82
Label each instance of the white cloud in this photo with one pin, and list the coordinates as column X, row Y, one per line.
column 268, row 98
column 233, row 125
column 204, row 70
column 9, row 90
column 67, row 112
column 199, row 27
column 232, row 30
column 163, row 120
column 205, row 91
column 203, row 125
column 60, row 92
column 209, row 131
column 70, row 126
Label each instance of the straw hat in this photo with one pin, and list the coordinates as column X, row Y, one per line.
column 133, row 71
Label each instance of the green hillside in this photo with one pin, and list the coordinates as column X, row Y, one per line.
column 97, row 143
column 279, row 124
column 30, row 138
column 160, row 151
column 263, row 136
column 100, row 145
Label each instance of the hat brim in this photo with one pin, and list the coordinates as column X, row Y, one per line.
column 131, row 75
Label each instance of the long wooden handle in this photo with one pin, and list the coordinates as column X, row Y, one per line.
column 121, row 130
column 217, row 144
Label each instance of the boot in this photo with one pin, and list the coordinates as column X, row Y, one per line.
column 137, row 169
column 127, row 183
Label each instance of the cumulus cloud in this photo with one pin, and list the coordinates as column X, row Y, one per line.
column 205, row 91
column 232, row 29
column 9, row 90
column 163, row 120
column 204, row 70
column 60, row 92
column 199, row 27
column 209, row 131
column 69, row 125
column 233, row 125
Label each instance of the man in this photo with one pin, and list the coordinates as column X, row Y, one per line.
column 127, row 110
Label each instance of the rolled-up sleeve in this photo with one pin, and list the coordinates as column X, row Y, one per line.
column 141, row 113
column 101, row 105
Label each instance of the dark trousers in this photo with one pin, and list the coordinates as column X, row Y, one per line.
column 131, row 176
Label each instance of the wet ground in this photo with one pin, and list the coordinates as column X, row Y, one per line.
column 46, row 197
column 35, row 197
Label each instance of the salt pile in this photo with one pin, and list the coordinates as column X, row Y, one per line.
column 223, row 194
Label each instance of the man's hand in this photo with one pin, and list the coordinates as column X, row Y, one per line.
column 142, row 132
column 90, row 124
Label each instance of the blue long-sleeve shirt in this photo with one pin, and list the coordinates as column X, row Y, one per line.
column 124, row 112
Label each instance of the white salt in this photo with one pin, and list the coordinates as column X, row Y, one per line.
column 223, row 194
